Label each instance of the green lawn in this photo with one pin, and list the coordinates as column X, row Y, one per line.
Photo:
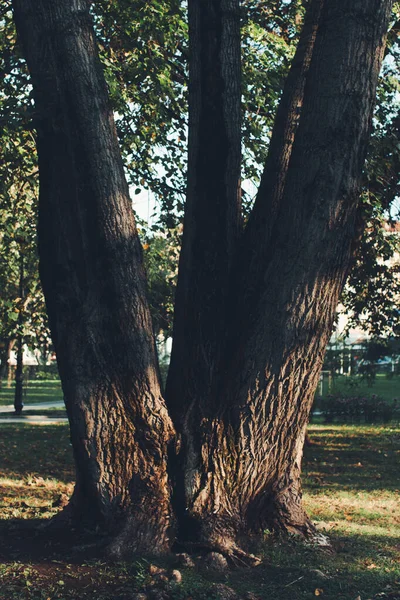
column 351, row 484
column 35, row 391
column 354, row 386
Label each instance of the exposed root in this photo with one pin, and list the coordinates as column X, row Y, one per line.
column 235, row 556
column 321, row 541
column 240, row 558
column 306, row 532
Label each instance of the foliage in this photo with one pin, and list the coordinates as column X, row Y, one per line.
column 269, row 33
column 161, row 256
column 371, row 296
column 20, row 314
column 143, row 47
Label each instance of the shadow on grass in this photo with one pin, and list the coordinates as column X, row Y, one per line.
column 353, row 458
column 362, row 566
column 28, row 540
column 40, row 451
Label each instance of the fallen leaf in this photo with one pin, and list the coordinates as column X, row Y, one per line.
column 318, row 592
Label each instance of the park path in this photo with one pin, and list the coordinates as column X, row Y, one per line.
column 32, row 419
column 9, row 408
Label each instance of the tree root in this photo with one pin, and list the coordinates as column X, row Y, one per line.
column 235, row 556
column 306, row 533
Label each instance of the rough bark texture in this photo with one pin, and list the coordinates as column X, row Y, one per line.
column 94, row 282
column 211, row 226
column 241, row 466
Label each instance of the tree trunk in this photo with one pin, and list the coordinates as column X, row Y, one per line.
column 254, row 308
column 211, row 230
column 241, row 460
column 19, row 377
column 19, row 371
column 6, row 347
column 94, row 284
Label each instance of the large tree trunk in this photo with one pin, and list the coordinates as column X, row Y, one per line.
column 94, row 283
column 241, row 459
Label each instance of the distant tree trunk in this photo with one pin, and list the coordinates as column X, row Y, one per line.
column 19, row 371
column 243, row 428
column 19, row 377
column 94, row 284
column 6, row 348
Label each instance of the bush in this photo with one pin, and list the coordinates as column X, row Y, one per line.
column 46, row 376
column 356, row 409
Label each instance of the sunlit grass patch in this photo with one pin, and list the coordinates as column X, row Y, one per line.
column 35, row 469
column 31, row 498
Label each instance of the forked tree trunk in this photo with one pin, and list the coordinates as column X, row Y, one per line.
column 241, row 461
column 254, row 308
column 94, row 283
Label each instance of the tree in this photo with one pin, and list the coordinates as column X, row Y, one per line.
column 255, row 305
column 22, row 312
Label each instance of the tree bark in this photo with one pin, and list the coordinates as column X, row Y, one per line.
column 94, row 284
column 242, row 467
column 211, row 229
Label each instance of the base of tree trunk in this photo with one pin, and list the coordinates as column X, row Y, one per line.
column 124, row 533
column 140, row 535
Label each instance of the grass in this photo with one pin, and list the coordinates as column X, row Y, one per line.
column 34, row 392
column 355, row 386
column 351, row 492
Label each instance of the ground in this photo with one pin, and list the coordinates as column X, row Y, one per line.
column 351, row 491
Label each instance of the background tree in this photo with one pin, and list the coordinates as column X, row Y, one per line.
column 22, row 319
